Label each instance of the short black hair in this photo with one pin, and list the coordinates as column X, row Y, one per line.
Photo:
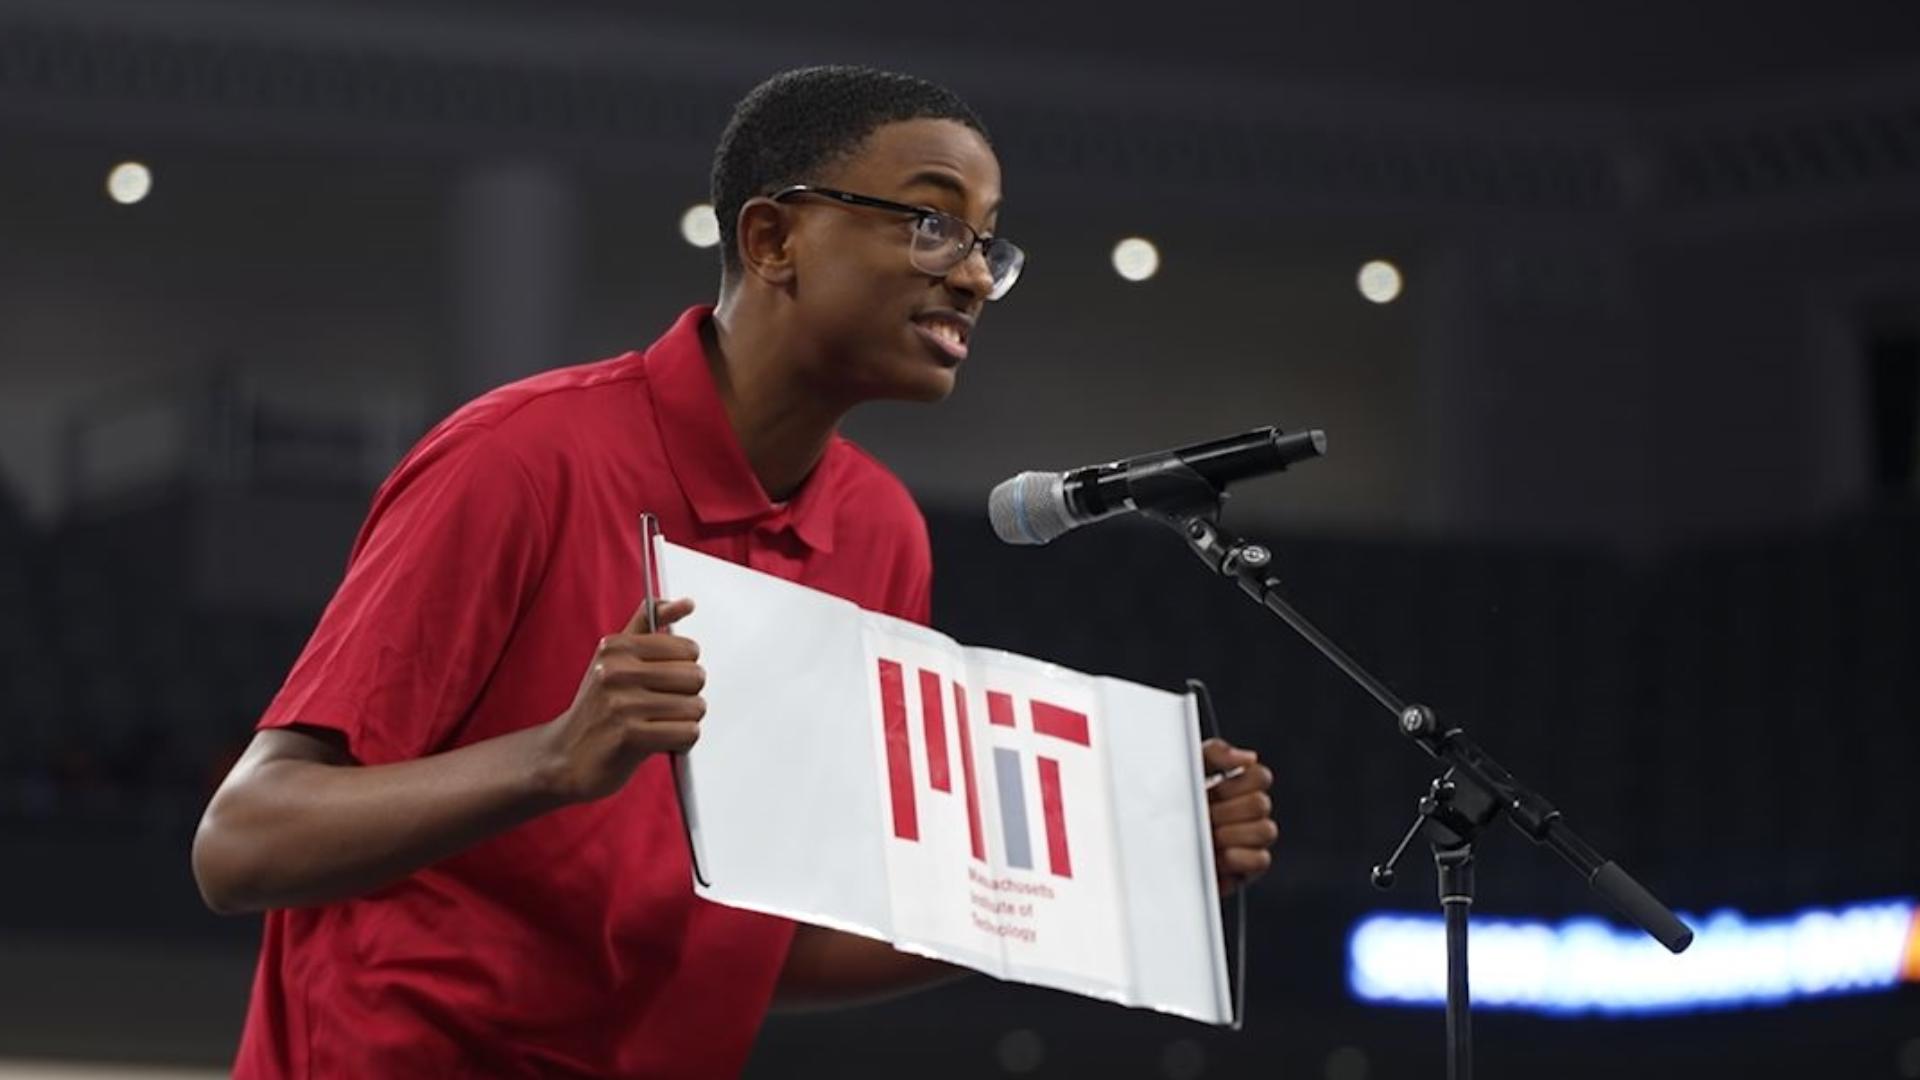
column 799, row 121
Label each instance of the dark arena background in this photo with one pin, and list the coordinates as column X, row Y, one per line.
column 1610, row 311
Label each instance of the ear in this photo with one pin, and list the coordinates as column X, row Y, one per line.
column 764, row 233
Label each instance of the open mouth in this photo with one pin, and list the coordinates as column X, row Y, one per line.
column 946, row 332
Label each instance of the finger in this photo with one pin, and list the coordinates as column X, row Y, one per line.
column 1219, row 755
column 641, row 706
column 675, row 677
column 664, row 736
column 652, row 648
column 658, row 647
column 1242, row 863
column 668, row 612
column 1258, row 835
column 665, row 614
column 642, row 619
column 1253, row 806
column 665, row 676
column 1256, row 778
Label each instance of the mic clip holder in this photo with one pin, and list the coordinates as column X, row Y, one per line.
column 1472, row 791
column 1170, row 490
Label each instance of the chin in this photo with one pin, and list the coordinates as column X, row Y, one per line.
column 920, row 393
column 919, row 381
column 937, row 389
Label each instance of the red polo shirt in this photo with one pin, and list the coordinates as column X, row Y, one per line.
column 495, row 557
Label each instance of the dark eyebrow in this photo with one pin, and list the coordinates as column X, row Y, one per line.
column 946, row 182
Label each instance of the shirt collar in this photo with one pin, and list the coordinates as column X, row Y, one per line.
column 705, row 454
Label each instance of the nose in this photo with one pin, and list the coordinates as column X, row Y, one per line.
column 971, row 276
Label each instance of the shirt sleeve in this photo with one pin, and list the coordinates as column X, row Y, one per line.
column 443, row 567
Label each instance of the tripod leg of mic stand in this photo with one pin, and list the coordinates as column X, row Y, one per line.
column 1455, row 866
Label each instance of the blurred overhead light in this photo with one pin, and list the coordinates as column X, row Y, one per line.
column 129, row 182
column 1136, row 259
column 1380, row 281
column 699, row 226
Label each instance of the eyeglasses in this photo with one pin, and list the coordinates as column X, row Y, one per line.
column 940, row 241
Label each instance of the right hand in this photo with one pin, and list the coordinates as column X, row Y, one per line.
column 640, row 696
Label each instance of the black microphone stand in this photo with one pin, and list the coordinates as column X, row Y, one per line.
column 1473, row 790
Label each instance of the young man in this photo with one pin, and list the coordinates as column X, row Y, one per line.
column 458, row 813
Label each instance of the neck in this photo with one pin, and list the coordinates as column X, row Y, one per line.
column 783, row 424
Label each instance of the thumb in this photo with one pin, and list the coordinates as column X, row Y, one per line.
column 1221, row 754
column 665, row 614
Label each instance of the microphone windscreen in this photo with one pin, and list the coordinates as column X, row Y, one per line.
column 1029, row 509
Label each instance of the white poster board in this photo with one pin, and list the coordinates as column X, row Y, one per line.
column 1031, row 822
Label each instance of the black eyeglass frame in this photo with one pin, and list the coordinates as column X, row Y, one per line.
column 978, row 240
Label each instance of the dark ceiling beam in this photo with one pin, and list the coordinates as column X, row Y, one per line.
column 618, row 104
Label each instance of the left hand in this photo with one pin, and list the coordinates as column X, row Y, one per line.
column 1241, row 814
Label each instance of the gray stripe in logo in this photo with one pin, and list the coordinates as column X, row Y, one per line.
column 1013, row 807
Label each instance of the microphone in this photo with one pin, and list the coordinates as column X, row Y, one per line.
column 1035, row 507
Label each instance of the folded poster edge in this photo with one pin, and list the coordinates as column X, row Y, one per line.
column 1117, row 997
column 1209, row 869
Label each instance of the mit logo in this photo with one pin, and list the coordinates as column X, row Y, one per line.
column 1049, row 720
